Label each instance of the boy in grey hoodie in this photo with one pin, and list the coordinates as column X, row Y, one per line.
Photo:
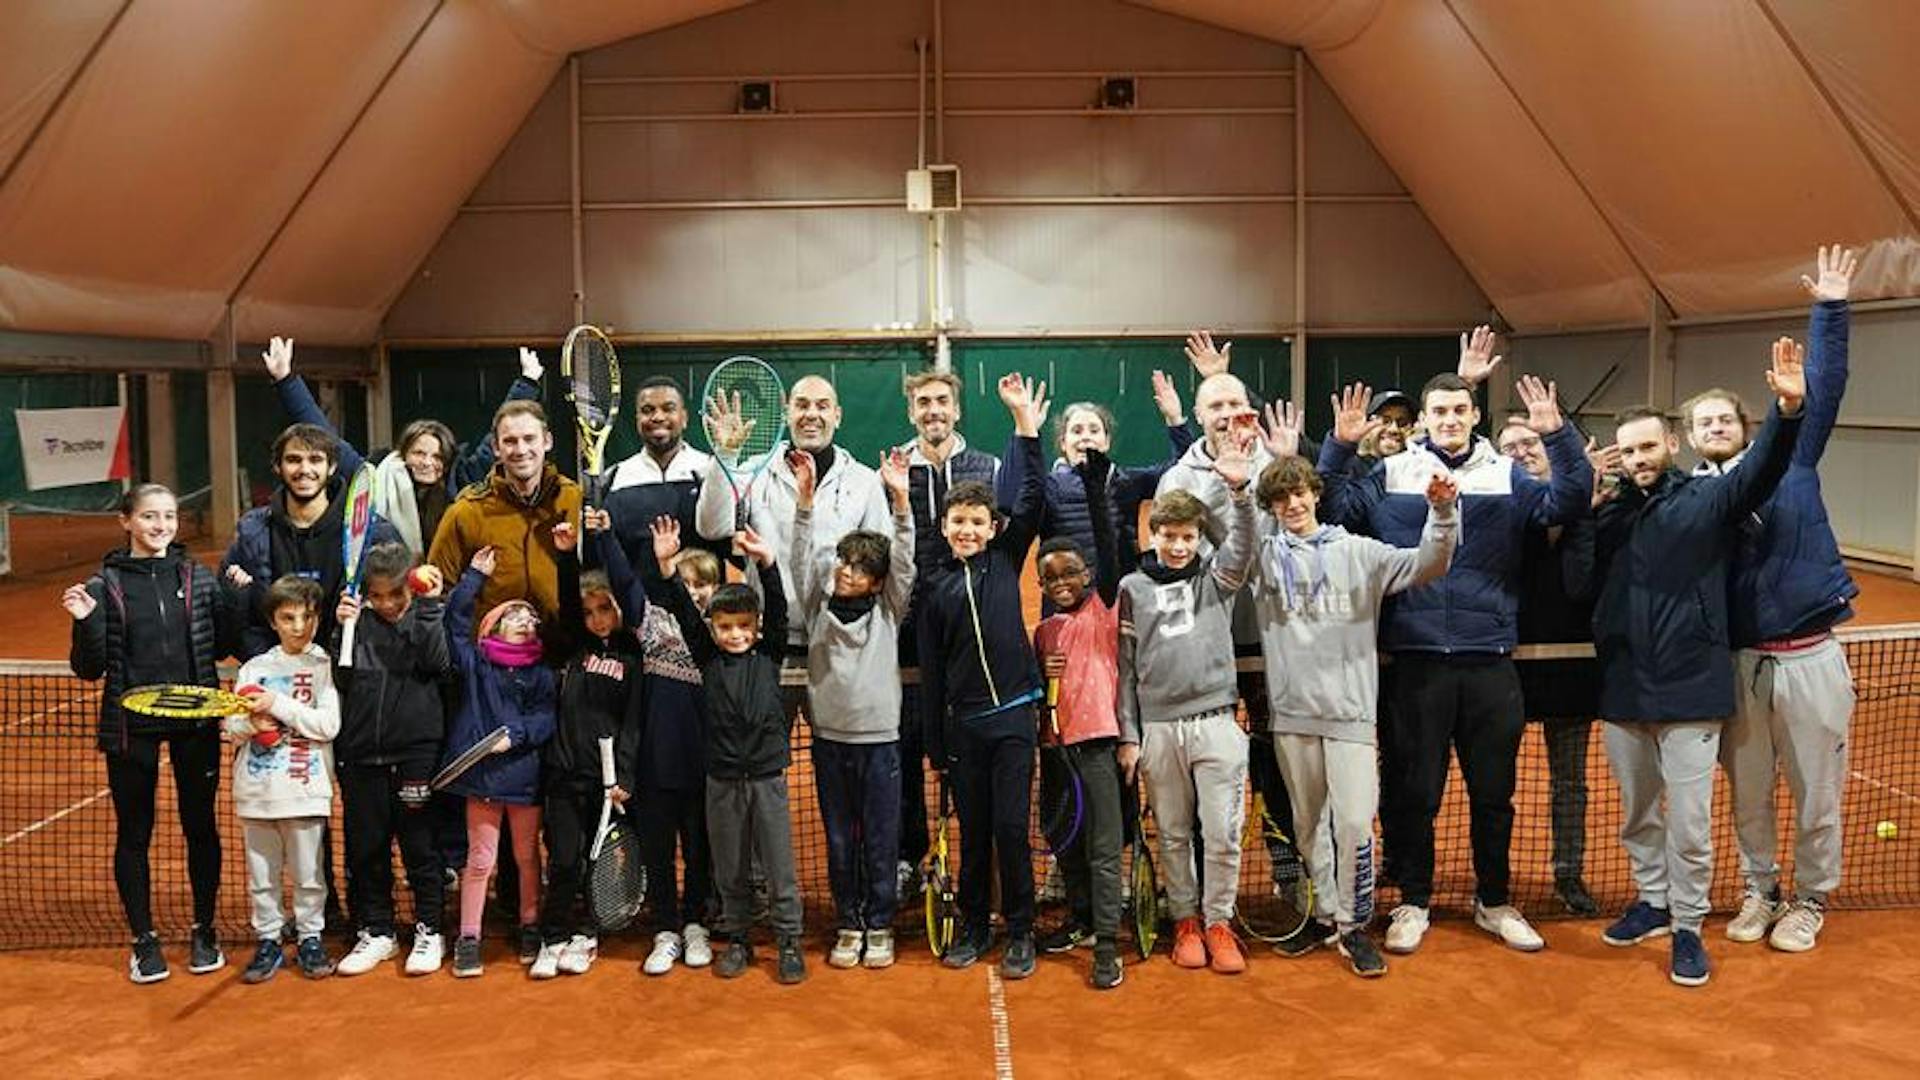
column 1177, row 698
column 1317, row 590
column 851, row 604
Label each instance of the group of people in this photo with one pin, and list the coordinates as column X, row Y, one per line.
column 1384, row 587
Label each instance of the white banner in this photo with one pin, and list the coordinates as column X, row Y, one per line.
column 72, row 446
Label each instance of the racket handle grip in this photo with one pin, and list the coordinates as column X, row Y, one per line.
column 346, row 642
column 608, row 777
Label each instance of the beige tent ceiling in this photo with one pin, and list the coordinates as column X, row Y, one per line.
column 162, row 159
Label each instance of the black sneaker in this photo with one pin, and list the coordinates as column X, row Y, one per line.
column 1362, row 956
column 1306, row 939
column 1690, row 966
column 1063, row 938
column 530, row 942
column 1573, row 893
column 1018, row 961
column 1108, row 972
column 148, row 964
column 735, row 961
column 266, row 961
column 966, row 950
column 791, row 966
column 203, row 952
column 312, row 956
column 1637, row 924
column 466, row 957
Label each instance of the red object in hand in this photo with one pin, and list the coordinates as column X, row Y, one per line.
column 267, row 740
column 250, row 689
column 423, row 580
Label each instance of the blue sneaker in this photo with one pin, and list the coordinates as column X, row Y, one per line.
column 266, row 962
column 1690, row 966
column 1640, row 922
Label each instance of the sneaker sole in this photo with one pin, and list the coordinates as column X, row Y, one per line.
column 844, row 962
column 1794, row 947
column 1402, row 950
column 877, row 965
column 1627, row 943
column 1748, row 938
column 208, row 969
column 1015, row 973
column 252, row 979
column 1689, row 980
column 463, row 973
column 1364, row 973
column 147, row 980
column 415, row 973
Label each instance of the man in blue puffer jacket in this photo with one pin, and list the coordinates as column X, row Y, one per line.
column 1452, row 640
column 1793, row 689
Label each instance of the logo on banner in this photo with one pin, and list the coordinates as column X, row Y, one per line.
column 60, row 447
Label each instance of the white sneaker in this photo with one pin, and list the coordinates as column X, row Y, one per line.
column 1409, row 926
column 546, row 962
column 1799, row 929
column 879, row 950
column 846, row 949
column 1506, row 923
column 367, row 954
column 666, row 949
column 1757, row 916
column 429, row 949
column 578, row 954
column 699, row 951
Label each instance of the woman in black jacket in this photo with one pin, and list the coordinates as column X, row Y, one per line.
column 153, row 615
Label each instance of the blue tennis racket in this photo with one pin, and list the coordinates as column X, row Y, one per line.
column 743, row 410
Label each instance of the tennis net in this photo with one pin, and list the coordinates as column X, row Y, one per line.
column 57, row 821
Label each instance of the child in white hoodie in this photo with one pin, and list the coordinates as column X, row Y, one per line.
column 1317, row 590
column 283, row 777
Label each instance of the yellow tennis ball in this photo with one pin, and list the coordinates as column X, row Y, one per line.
column 1886, row 830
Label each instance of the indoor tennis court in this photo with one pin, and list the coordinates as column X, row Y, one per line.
column 855, row 191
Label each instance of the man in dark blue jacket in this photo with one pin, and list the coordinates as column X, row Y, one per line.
column 1794, row 691
column 1454, row 682
column 1665, row 546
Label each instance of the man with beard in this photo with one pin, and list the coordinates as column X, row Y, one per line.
column 662, row 479
column 1794, row 690
column 1666, row 544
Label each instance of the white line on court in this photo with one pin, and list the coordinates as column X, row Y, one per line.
column 56, row 816
column 997, row 1013
column 44, row 713
column 1882, row 785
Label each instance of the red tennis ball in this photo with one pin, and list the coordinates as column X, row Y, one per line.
column 267, row 740
column 423, row 580
column 250, row 689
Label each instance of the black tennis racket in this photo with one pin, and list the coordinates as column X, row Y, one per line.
column 744, row 412
column 1283, row 901
column 1145, row 887
column 617, row 884
column 942, row 905
column 1063, row 791
column 592, row 370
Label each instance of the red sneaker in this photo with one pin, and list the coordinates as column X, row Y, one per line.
column 1225, row 950
column 1189, row 949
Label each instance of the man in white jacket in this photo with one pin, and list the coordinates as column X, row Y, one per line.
column 283, row 777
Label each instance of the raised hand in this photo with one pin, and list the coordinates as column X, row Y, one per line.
column 1442, row 489
column 804, row 479
column 1543, row 404
column 530, row 366
column 1351, row 424
column 1835, row 265
column 1026, row 400
column 1234, row 460
column 238, row 578
column 485, row 560
column 1280, row 428
column 666, row 541
column 78, row 602
column 1606, row 471
column 893, row 473
column 1166, row 398
column 1206, row 359
column 564, row 536
column 753, row 547
column 279, row 358
column 1476, row 356
column 596, row 519
column 1787, row 378
column 726, row 428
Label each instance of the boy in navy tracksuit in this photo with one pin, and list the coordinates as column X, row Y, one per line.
column 979, row 683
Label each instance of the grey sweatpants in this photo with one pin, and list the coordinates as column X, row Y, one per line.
column 291, row 845
column 1198, row 768
column 1672, row 849
column 747, row 828
column 1335, row 788
column 1793, row 710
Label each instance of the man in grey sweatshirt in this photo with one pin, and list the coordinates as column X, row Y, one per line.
column 1317, row 591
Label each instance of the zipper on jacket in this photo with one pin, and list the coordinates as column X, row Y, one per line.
column 979, row 639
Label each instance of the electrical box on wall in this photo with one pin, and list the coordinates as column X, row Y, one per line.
column 934, row 189
column 756, row 97
column 1117, row 92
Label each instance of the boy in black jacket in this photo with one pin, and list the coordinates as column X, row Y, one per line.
column 391, row 728
column 738, row 649
column 600, row 698
column 979, row 683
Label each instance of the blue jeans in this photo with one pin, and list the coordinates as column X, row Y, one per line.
column 859, row 788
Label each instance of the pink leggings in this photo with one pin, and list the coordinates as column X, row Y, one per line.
column 483, row 847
